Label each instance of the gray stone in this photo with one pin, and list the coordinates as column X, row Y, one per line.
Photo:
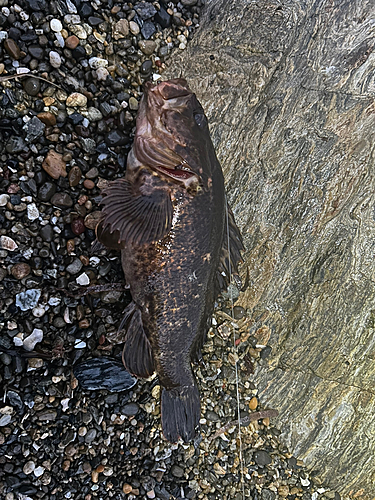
column 74, row 267
column 34, row 129
column 28, row 299
column 289, row 92
column 15, row 145
column 130, row 409
column 262, row 458
column 62, row 200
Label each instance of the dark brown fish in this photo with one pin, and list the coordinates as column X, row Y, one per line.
column 168, row 217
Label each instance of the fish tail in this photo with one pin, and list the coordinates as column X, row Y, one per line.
column 180, row 413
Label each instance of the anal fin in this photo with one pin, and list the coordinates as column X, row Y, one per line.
column 137, row 354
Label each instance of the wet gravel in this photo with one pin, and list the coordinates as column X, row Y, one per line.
column 64, row 133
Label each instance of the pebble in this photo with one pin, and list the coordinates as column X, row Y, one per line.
column 75, row 175
column 56, row 25
column 103, row 373
column 7, row 243
column 34, row 129
column 30, row 342
column 62, row 200
column 21, row 270
column 32, row 212
column 32, row 86
column 55, row 59
column 74, row 267
column 98, row 62
column 47, row 118
column 5, row 420
column 28, row 299
column 147, row 46
column 83, row 280
column 134, row 28
column 130, row 409
column 121, row 29
column 12, row 48
column 46, row 191
column 262, row 458
column 54, row 164
column 133, row 103
column 177, row 471
column 76, row 100
column 4, row 198
column 71, row 42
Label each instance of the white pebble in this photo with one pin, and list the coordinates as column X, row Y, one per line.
column 29, row 467
column 56, row 25
column 54, row 301
column 83, row 279
column 72, row 19
column 182, row 46
column 7, row 243
column 80, row 344
column 60, row 40
column 22, row 71
column 156, row 77
column 3, row 35
column 32, row 211
column 55, row 59
column 85, row 122
column 24, row 16
column 97, row 62
column 38, row 311
column 6, row 12
column 102, row 74
column 304, row 482
column 71, row 7
column 94, row 261
column 17, row 8
column 18, row 340
column 35, row 337
column 39, row 471
column 65, row 404
column 181, row 38
column 4, row 198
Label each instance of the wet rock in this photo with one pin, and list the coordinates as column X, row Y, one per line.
column 146, row 68
column 20, row 270
column 47, row 233
column 5, row 420
column 15, row 401
column 32, row 212
column 54, row 164
column 55, row 59
column 103, row 373
column 147, row 46
column 116, row 138
column 32, row 86
column 262, row 458
column 148, row 29
column 75, row 175
column 15, row 145
column 12, row 48
column 71, row 42
column 177, row 471
column 133, row 104
column 163, row 18
column 134, row 28
column 62, row 200
column 78, row 226
column 74, row 267
column 47, row 118
column 121, row 29
column 145, row 10
column 130, row 409
column 28, row 299
column 46, row 191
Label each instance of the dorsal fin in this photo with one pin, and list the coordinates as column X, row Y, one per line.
column 135, row 214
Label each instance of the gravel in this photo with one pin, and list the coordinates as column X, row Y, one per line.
column 69, row 428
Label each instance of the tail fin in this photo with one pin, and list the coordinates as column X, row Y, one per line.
column 180, row 413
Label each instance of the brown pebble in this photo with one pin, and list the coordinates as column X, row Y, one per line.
column 94, row 476
column 101, row 340
column 92, row 219
column 87, row 467
column 78, row 226
column 12, row 48
column 89, row 184
column 47, row 118
column 54, row 165
column 74, row 176
column 100, row 468
column 20, row 270
column 283, row 490
column 13, row 189
column 66, row 465
column 82, row 199
column 71, row 42
column 253, row 403
column 84, row 259
column 266, row 421
column 127, row 488
column 70, row 246
column 84, row 323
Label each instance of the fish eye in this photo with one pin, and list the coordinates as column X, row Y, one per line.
column 200, row 119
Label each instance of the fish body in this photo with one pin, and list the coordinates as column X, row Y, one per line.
column 168, row 216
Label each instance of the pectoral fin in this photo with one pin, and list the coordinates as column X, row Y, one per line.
column 137, row 354
column 230, row 252
column 134, row 214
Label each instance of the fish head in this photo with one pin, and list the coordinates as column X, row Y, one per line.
column 172, row 136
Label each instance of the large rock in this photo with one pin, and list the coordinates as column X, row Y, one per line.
column 289, row 89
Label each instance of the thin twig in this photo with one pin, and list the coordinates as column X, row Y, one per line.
column 29, row 75
column 257, row 415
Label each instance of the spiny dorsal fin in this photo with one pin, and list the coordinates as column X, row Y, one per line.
column 135, row 214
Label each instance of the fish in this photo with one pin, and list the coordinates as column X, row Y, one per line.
column 179, row 244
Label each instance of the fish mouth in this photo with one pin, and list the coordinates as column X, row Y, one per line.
column 179, row 173
column 170, row 89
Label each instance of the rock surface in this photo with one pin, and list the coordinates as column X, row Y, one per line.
column 289, row 89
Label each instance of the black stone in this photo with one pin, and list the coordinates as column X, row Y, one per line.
column 116, row 138
column 40, row 177
column 15, row 401
column 14, row 33
column 146, row 68
column 15, row 199
column 46, row 191
column 95, row 21
column 105, row 108
column 38, row 5
column 130, row 409
column 85, row 10
column 36, row 51
column 103, row 373
column 145, row 10
column 163, row 18
column 76, row 118
column 15, row 145
column 34, row 129
column 79, row 53
column 46, row 234
column 148, row 29
column 262, row 458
